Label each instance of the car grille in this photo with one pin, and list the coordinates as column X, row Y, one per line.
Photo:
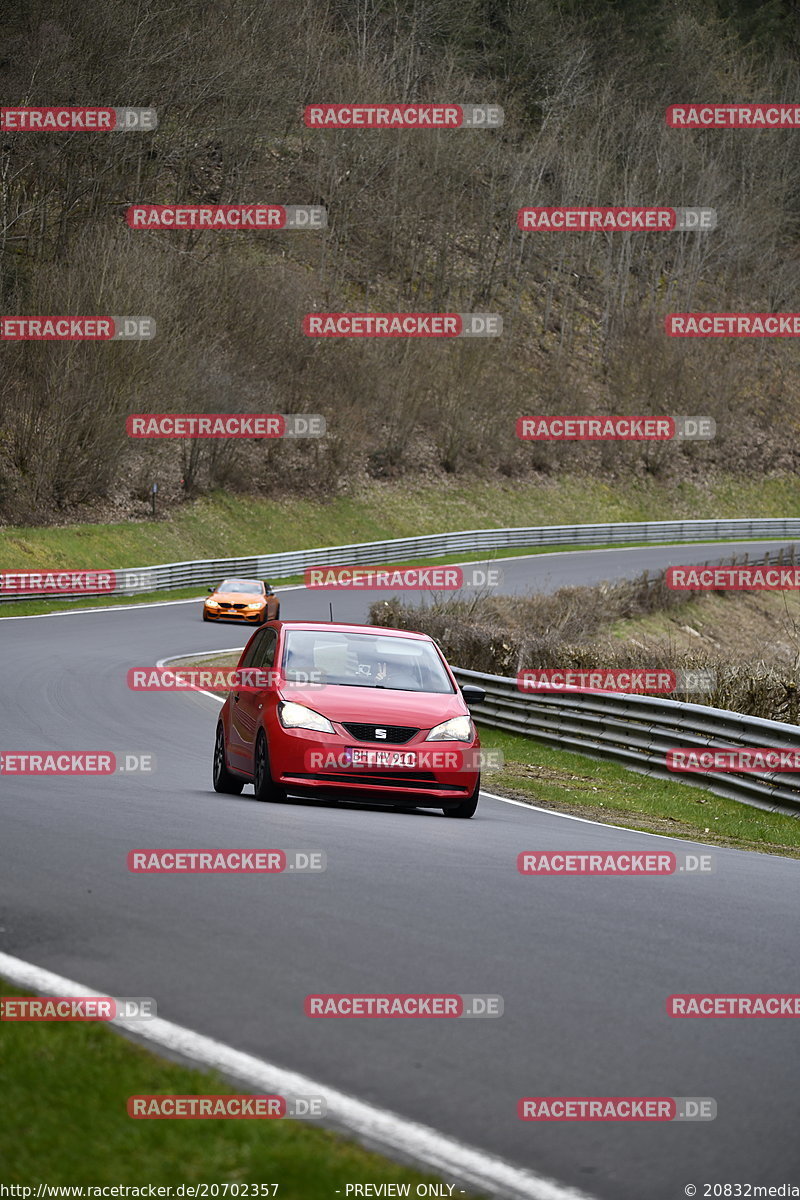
column 395, row 734
column 230, row 606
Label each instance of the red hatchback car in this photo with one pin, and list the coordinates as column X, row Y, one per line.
column 349, row 711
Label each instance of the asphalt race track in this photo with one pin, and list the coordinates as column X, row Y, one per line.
column 409, row 903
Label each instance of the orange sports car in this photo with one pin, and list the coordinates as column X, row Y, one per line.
column 247, row 600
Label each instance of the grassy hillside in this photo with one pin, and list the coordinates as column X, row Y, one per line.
column 418, row 221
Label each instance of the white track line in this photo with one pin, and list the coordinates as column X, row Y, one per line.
column 551, row 812
column 377, row 1127
column 72, row 612
column 100, row 608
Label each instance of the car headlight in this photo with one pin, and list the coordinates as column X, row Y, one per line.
column 297, row 716
column 457, row 729
column 212, row 603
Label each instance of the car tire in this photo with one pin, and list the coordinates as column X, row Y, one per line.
column 222, row 778
column 467, row 807
column 277, row 616
column 205, row 617
column 264, row 787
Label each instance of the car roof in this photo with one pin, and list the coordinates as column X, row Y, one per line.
column 343, row 627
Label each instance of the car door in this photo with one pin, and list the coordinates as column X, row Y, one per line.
column 247, row 700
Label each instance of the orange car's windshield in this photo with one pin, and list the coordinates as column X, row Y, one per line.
column 248, row 587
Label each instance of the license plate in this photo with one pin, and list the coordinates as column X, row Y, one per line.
column 366, row 756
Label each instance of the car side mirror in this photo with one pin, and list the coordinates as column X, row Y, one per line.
column 472, row 693
column 211, row 589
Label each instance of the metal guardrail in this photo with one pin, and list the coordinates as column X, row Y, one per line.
column 135, row 580
column 637, row 731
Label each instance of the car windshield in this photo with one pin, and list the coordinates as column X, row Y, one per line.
column 364, row 660
column 248, row 586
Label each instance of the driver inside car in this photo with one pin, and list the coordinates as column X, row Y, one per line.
column 392, row 674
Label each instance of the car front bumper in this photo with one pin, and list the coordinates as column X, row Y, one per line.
column 227, row 614
column 301, row 760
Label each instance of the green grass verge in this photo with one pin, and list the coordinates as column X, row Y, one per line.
column 606, row 791
column 226, row 526
column 65, row 1087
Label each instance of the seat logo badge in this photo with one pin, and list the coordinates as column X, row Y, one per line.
column 380, row 733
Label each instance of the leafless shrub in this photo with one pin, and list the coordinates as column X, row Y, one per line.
column 506, row 635
column 421, row 221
